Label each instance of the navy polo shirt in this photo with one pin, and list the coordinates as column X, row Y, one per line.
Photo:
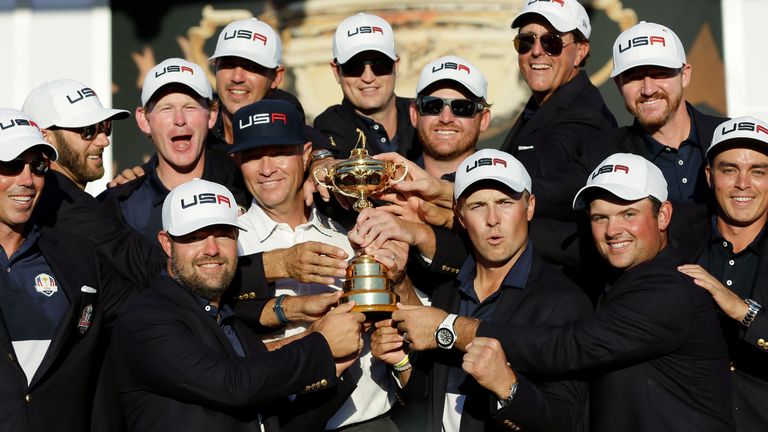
column 471, row 306
column 737, row 271
column 143, row 209
column 224, row 317
column 377, row 130
column 681, row 167
column 32, row 302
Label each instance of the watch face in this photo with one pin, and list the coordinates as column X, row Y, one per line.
column 444, row 337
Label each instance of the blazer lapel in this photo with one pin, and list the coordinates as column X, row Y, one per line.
column 62, row 270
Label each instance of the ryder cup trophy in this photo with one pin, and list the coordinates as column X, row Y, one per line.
column 359, row 177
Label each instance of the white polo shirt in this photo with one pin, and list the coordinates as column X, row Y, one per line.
column 374, row 394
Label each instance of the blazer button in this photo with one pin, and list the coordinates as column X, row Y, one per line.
column 761, row 342
column 28, row 398
column 324, row 382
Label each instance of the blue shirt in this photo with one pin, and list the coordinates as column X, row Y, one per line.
column 223, row 317
column 377, row 130
column 682, row 167
column 143, row 209
column 471, row 306
column 31, row 300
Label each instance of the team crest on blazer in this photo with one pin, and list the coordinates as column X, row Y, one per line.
column 46, row 284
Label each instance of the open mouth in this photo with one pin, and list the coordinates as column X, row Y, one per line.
column 541, row 66
column 21, row 199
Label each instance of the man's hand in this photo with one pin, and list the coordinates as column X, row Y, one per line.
column 309, row 308
column 729, row 302
column 486, row 362
column 386, row 343
column 310, row 184
column 394, row 255
column 127, row 175
column 421, row 183
column 309, row 262
column 417, row 324
column 342, row 329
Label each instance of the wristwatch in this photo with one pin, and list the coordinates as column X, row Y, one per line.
column 753, row 308
column 320, row 154
column 508, row 400
column 445, row 335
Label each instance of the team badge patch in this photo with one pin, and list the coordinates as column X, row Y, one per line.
column 85, row 319
column 46, row 284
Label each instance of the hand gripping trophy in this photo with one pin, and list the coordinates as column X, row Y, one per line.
column 359, row 177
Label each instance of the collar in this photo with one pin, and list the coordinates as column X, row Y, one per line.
column 515, row 278
column 264, row 226
column 655, row 148
column 220, row 314
column 715, row 237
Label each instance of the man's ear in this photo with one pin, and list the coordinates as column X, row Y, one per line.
column 665, row 215
column 531, row 207
column 336, row 73
column 306, row 153
column 142, row 121
column 50, row 137
column 165, row 242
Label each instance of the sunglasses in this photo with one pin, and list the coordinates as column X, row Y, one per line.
column 379, row 66
column 89, row 133
column 431, row 105
column 39, row 166
column 552, row 43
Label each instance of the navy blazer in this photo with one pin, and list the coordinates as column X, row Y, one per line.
column 60, row 394
column 748, row 356
column 542, row 403
column 656, row 342
column 176, row 369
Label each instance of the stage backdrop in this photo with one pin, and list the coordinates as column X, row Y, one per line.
column 147, row 31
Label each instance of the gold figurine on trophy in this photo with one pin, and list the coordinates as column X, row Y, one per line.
column 359, row 177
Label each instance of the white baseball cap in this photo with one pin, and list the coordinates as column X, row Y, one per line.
column 18, row 133
column 363, row 32
column 647, row 44
column 454, row 69
column 68, row 103
column 198, row 204
column 744, row 130
column 252, row 40
column 491, row 164
column 628, row 176
column 563, row 15
column 175, row 71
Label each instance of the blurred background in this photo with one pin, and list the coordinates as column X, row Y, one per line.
column 110, row 45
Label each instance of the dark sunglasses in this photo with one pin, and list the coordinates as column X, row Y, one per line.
column 431, row 105
column 552, row 43
column 14, row 167
column 89, row 133
column 379, row 66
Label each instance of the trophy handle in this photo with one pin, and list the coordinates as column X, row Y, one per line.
column 405, row 172
column 321, row 183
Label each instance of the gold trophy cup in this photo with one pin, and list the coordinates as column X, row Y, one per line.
column 359, row 177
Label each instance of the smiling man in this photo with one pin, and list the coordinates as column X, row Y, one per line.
column 177, row 111
column 185, row 361
column 552, row 45
column 731, row 264
column 272, row 157
column 365, row 64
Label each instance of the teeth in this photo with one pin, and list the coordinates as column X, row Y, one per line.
column 21, row 199
column 446, row 132
column 94, row 157
column 238, row 92
column 209, row 265
column 618, row 245
column 540, row 66
column 651, row 101
column 743, row 199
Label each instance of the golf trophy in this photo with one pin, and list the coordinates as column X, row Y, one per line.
column 359, row 177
